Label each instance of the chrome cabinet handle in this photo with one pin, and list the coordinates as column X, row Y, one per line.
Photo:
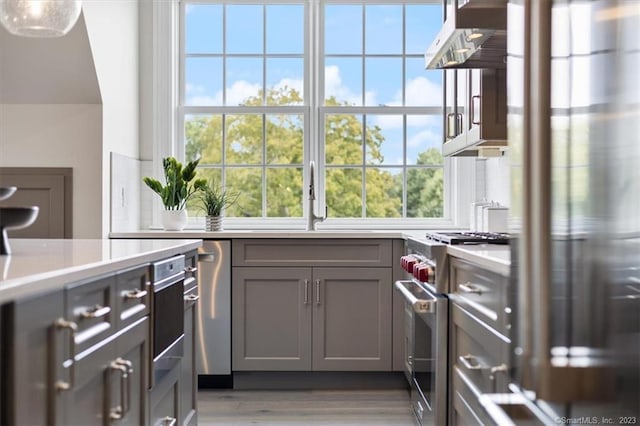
column 192, row 297
column 168, row 421
column 450, row 133
column 410, row 360
column 135, row 294
column 97, row 311
column 466, row 361
column 317, row 292
column 472, row 113
column 61, row 323
column 502, row 368
column 306, row 292
column 191, row 269
column 118, row 412
column 129, row 365
column 470, row 288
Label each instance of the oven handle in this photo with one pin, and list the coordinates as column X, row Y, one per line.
column 420, row 306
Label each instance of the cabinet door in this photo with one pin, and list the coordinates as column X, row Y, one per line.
column 352, row 319
column 271, row 319
column 188, row 378
column 487, row 104
column 132, row 353
column 164, row 400
column 33, row 352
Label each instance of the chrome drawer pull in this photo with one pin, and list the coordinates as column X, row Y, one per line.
column 191, row 269
column 61, row 323
column 135, row 294
column 118, row 412
column 502, row 368
column 306, row 292
column 168, row 421
column 470, row 288
column 97, row 311
column 470, row 362
column 192, row 297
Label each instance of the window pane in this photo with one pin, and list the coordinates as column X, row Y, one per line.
column 343, row 29
column 247, row 182
column 203, row 28
column 343, row 81
column 284, row 192
column 343, row 139
column 343, row 189
column 425, row 192
column 244, row 29
column 383, row 29
column 383, row 81
column 203, row 81
column 384, row 139
column 422, row 87
column 244, row 139
column 284, row 139
column 244, row 81
column 285, row 81
column 203, row 138
column 285, row 28
column 424, row 139
column 384, row 192
column 422, row 25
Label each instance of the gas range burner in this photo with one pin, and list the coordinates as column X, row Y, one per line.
column 469, row 237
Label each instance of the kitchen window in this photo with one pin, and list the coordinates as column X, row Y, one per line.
column 268, row 86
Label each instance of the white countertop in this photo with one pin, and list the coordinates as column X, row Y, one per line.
column 41, row 265
column 270, row 233
column 494, row 257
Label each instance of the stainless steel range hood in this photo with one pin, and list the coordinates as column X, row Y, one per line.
column 473, row 35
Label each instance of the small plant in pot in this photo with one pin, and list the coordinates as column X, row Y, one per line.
column 213, row 200
column 180, row 185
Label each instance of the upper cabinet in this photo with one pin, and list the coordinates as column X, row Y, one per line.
column 471, row 49
column 475, row 113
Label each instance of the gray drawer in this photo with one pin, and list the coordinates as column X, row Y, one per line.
column 478, row 351
column 91, row 305
column 465, row 407
column 132, row 295
column 482, row 292
column 312, row 252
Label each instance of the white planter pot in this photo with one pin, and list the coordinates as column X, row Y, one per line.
column 213, row 223
column 173, row 220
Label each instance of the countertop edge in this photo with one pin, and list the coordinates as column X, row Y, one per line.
column 483, row 260
column 46, row 282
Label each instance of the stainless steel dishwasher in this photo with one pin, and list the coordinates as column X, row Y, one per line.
column 213, row 356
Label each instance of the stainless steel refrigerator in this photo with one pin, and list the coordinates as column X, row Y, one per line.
column 573, row 70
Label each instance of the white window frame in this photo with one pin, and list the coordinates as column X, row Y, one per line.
column 168, row 121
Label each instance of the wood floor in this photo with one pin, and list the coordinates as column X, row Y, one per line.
column 301, row 408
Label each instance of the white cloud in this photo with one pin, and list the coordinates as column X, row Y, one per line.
column 422, row 92
column 426, row 137
column 335, row 87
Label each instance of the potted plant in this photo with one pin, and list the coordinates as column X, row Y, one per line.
column 180, row 185
column 213, row 200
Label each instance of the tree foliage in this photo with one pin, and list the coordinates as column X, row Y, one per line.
column 347, row 142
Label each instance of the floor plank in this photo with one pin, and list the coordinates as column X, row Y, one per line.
column 313, row 407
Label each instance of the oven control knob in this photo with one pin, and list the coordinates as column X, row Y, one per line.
column 424, row 273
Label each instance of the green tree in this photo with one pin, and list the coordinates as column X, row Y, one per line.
column 346, row 138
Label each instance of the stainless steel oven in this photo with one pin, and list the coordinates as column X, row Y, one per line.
column 426, row 314
column 167, row 316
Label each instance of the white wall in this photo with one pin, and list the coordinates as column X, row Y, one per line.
column 59, row 136
column 112, row 27
column 497, row 179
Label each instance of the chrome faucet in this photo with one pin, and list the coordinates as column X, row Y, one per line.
column 312, row 218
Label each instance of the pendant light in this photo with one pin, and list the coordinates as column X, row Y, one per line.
column 39, row 18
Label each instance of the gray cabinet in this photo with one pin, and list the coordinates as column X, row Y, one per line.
column 352, row 319
column 78, row 355
column 478, row 339
column 188, row 376
column 321, row 305
column 164, row 401
column 271, row 319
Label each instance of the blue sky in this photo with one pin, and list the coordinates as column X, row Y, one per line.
column 383, row 77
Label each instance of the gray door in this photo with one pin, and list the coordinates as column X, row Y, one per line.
column 271, row 319
column 352, row 319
